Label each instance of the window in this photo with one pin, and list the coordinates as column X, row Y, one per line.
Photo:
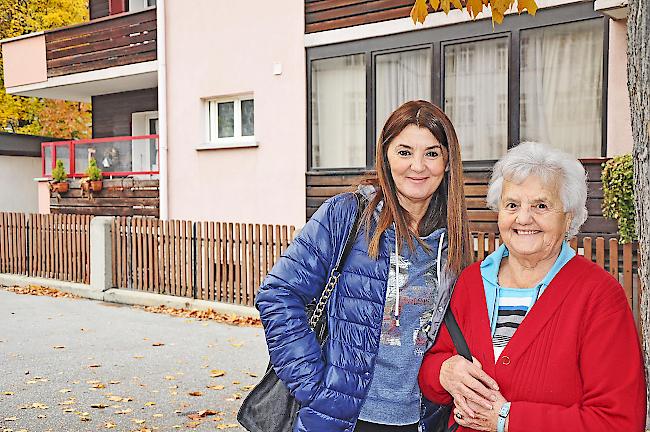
column 476, row 96
column 400, row 77
column 338, row 114
column 231, row 122
column 538, row 79
column 561, row 86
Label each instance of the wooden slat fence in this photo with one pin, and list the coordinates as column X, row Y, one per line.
column 620, row 260
column 217, row 261
column 48, row 246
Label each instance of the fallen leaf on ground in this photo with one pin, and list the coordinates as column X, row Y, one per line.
column 215, row 373
column 58, row 347
column 65, row 391
column 227, row 426
column 195, row 393
column 110, row 425
column 99, row 405
column 215, row 387
column 124, row 411
column 209, row 314
column 157, row 344
column 94, row 365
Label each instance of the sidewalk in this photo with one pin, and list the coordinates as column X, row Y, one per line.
column 129, row 297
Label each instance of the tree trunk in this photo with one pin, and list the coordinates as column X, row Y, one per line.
column 638, row 72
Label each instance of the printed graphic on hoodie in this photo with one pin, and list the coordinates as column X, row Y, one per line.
column 417, row 293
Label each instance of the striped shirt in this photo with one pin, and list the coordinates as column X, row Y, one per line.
column 513, row 305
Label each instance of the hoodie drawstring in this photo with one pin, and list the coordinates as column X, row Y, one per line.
column 438, row 263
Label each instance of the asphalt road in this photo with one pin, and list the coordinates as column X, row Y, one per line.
column 82, row 365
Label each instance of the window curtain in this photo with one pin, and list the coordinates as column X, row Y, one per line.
column 400, row 77
column 476, row 96
column 339, row 112
column 561, row 86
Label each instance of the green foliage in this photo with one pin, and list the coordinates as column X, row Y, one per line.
column 37, row 116
column 93, row 172
column 58, row 173
column 618, row 195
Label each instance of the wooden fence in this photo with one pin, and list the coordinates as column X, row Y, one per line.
column 49, row 246
column 216, row 261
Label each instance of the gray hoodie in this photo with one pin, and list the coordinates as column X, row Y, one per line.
column 417, row 294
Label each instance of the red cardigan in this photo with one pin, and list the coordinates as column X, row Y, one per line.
column 574, row 363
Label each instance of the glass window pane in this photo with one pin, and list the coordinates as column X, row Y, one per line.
column 226, row 119
column 247, row 118
column 63, row 154
column 561, row 86
column 476, row 96
column 400, row 77
column 47, row 155
column 338, row 98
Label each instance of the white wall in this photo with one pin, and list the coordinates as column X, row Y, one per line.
column 18, row 190
column 219, row 48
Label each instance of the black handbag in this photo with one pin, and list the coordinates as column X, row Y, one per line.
column 270, row 407
column 436, row 416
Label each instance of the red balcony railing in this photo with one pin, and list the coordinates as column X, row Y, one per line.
column 115, row 156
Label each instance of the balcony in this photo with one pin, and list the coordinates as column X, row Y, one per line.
column 107, row 55
column 130, row 168
column 115, row 156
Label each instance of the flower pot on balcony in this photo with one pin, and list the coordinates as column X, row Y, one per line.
column 60, row 187
column 96, row 185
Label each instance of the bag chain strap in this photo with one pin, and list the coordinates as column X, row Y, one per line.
column 322, row 302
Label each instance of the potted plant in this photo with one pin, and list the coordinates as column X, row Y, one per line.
column 59, row 178
column 94, row 175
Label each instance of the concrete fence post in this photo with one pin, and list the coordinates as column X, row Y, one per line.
column 101, row 257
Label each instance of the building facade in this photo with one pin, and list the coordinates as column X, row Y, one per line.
column 261, row 115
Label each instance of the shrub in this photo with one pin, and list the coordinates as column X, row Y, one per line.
column 93, row 172
column 58, row 173
column 618, row 195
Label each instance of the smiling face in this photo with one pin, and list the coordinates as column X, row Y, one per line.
column 417, row 164
column 532, row 220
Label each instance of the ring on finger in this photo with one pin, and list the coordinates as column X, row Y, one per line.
column 458, row 415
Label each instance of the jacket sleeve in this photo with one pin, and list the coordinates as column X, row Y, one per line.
column 611, row 371
column 294, row 281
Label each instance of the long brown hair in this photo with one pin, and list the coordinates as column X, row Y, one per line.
column 447, row 206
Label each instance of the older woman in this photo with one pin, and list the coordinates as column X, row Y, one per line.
column 555, row 344
column 393, row 288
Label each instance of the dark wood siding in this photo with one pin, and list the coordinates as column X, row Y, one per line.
column 321, row 186
column 118, row 197
column 112, row 112
column 332, row 14
column 98, row 9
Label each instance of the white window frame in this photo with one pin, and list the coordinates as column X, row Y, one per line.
column 212, row 141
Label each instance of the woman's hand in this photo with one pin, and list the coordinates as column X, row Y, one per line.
column 484, row 419
column 466, row 382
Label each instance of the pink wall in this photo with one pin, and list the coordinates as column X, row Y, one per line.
column 215, row 49
column 24, row 61
column 619, row 124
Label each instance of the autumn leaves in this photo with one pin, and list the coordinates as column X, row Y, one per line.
column 474, row 7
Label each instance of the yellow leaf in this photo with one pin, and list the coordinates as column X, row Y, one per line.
column 435, row 4
column 529, row 5
column 457, row 4
column 215, row 373
column 110, row 425
column 474, row 7
column 445, row 5
column 419, row 11
column 150, row 404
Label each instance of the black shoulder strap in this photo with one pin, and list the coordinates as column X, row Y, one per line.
column 352, row 235
column 457, row 335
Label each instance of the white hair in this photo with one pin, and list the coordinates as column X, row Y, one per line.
column 552, row 166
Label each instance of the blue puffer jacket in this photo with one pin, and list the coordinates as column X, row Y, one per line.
column 331, row 384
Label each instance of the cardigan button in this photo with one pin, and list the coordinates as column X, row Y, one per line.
column 505, row 360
